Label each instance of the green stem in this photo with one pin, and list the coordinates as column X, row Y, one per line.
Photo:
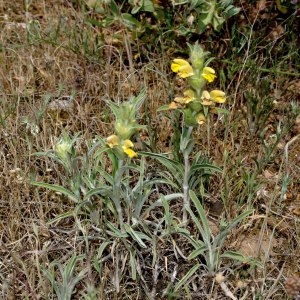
column 208, row 134
column 116, row 197
column 186, row 154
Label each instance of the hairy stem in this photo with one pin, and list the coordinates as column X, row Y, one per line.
column 116, row 197
column 186, row 154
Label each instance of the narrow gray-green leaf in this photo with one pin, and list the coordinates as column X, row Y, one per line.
column 102, row 248
column 136, row 235
column 61, row 217
column 186, row 277
column 234, row 256
column 201, row 213
column 57, row 188
column 197, row 251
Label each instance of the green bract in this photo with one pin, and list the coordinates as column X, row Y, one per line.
column 126, row 125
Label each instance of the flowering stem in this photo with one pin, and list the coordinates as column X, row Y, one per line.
column 208, row 135
column 186, row 199
column 116, row 197
column 186, row 154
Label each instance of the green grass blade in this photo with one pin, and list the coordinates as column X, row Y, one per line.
column 57, row 188
column 115, row 232
column 175, row 168
column 186, row 277
column 103, row 191
column 234, row 256
column 61, row 217
column 197, row 251
column 137, row 236
column 202, row 216
column 222, row 235
column 159, row 201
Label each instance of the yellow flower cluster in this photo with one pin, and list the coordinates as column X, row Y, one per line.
column 126, row 145
column 184, row 70
column 195, row 99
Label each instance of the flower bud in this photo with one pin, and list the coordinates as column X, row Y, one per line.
column 190, row 19
column 125, row 129
column 197, row 56
column 112, row 141
column 200, row 119
column 197, row 83
column 189, row 117
column 195, row 106
column 63, row 148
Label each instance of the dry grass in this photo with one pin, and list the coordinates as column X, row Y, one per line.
column 39, row 67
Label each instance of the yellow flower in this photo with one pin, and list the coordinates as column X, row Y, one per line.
column 173, row 105
column 130, row 152
column 218, row 96
column 189, row 96
column 215, row 95
column 127, row 145
column 206, row 99
column 209, row 74
column 112, row 141
column 200, row 119
column 182, row 67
